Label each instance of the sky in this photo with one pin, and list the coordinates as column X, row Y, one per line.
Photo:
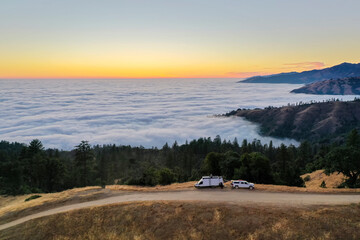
column 174, row 39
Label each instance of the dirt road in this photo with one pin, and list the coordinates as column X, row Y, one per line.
column 238, row 197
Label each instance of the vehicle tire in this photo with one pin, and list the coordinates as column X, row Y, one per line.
column 221, row 185
column 251, row 187
column 237, row 187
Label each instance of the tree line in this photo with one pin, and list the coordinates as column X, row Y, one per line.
column 32, row 168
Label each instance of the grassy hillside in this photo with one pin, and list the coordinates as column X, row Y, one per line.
column 191, row 220
column 15, row 207
column 317, row 177
column 315, row 121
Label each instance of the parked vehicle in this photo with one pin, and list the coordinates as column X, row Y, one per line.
column 210, row 181
column 242, row 184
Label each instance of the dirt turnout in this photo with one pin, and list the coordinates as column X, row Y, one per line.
column 193, row 220
column 239, row 197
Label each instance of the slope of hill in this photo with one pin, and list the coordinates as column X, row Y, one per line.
column 194, row 220
column 15, row 207
column 317, row 177
column 313, row 122
column 339, row 71
column 342, row 86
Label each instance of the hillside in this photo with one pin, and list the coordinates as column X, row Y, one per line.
column 194, row 220
column 312, row 122
column 317, row 177
column 339, row 71
column 15, row 207
column 343, row 86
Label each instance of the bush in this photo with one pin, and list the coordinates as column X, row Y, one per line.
column 166, row 176
column 323, row 184
column 346, row 184
column 32, row 197
column 150, row 177
column 132, row 181
column 307, row 178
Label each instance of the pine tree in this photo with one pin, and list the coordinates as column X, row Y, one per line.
column 83, row 162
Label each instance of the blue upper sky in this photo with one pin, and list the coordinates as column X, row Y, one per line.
column 202, row 38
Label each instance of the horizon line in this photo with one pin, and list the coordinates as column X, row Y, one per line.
column 162, row 77
column 110, row 78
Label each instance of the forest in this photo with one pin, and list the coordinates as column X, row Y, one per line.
column 33, row 169
column 326, row 121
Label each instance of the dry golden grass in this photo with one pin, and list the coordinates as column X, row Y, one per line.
column 280, row 188
column 15, row 203
column 312, row 186
column 193, row 220
column 171, row 187
column 13, row 207
column 316, row 178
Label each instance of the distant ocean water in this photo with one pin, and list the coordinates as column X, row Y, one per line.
column 146, row 112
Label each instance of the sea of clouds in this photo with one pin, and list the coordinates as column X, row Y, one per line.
column 146, row 112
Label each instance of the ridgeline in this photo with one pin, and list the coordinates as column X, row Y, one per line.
column 343, row 70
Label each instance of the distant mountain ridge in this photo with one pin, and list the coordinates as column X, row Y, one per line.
column 342, row 86
column 343, row 70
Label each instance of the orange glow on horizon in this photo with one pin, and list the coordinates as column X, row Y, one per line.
column 133, row 77
column 147, row 74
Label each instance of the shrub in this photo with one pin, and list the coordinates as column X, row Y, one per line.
column 346, row 184
column 166, row 176
column 307, row 178
column 32, row 197
column 323, row 184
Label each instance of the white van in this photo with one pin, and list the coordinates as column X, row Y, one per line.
column 210, row 181
column 242, row 184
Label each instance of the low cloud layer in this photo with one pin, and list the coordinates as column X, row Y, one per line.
column 61, row 113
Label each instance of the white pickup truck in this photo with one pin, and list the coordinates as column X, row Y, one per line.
column 210, row 181
column 242, row 184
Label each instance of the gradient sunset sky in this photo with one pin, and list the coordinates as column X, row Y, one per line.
column 184, row 38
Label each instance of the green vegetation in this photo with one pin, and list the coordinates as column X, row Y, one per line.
column 340, row 86
column 33, row 169
column 32, row 197
column 346, row 159
column 318, row 122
